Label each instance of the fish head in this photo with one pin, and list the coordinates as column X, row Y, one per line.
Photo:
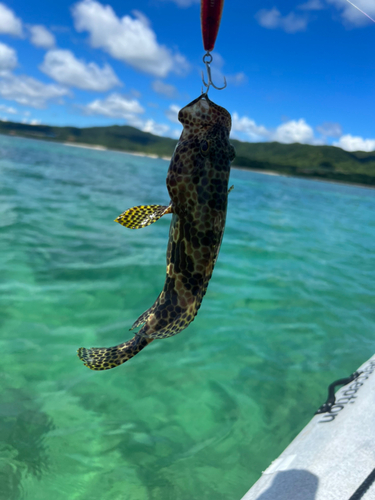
column 206, row 126
column 203, row 114
column 200, row 166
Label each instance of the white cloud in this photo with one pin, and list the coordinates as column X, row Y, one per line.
column 352, row 15
column 9, row 23
column 118, row 106
column 41, row 37
column 8, row 109
column 355, row 143
column 128, row 39
column 28, row 91
column 329, row 129
column 8, row 57
column 154, row 128
column 294, row 131
column 62, row 66
column 164, row 89
column 287, row 133
column 272, row 19
column 248, row 127
column 115, row 106
column 32, row 121
column 172, row 113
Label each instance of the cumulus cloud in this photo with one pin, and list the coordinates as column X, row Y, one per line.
column 352, row 15
column 62, row 66
column 154, row 128
column 129, row 39
column 9, row 23
column 28, row 91
column 115, row 106
column 272, row 19
column 8, row 109
column 287, row 133
column 329, row 129
column 355, row 143
column 172, row 113
column 41, row 37
column 8, row 57
column 248, row 127
column 164, row 89
column 294, row 131
column 298, row 131
column 128, row 109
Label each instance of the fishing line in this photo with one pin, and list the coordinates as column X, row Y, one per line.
column 361, row 11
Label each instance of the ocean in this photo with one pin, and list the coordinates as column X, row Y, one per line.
column 289, row 309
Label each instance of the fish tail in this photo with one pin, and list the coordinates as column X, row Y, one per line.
column 105, row 358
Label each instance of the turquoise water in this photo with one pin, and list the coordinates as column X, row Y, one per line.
column 290, row 308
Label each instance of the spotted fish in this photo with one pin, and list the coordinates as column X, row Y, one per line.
column 197, row 183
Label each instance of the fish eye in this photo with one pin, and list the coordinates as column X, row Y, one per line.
column 205, row 147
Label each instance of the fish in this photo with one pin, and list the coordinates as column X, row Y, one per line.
column 197, row 183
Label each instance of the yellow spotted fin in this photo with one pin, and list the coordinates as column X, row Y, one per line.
column 143, row 215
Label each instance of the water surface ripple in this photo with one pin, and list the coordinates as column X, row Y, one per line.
column 289, row 309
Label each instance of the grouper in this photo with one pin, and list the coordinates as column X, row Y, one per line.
column 197, row 183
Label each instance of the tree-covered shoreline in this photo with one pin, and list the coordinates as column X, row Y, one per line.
column 300, row 160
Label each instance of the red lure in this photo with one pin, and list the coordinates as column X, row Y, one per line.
column 211, row 11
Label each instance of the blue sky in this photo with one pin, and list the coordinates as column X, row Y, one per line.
column 297, row 71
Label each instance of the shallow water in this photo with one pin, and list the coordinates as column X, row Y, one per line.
column 290, row 308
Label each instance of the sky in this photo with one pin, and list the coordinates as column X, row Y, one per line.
column 297, row 71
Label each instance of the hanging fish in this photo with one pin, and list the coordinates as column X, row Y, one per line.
column 197, row 183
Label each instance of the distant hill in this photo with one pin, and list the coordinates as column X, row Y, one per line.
column 302, row 160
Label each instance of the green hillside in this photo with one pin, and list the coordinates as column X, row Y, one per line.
column 325, row 162
column 302, row 160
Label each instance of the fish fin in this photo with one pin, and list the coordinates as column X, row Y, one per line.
column 143, row 215
column 170, row 330
column 142, row 318
column 105, row 358
column 230, row 189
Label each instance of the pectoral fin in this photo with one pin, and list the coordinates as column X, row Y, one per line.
column 142, row 216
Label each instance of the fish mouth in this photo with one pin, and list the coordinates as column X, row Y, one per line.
column 203, row 112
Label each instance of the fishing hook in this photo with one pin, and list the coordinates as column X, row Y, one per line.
column 207, row 59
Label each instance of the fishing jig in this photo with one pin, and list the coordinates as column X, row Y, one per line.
column 211, row 11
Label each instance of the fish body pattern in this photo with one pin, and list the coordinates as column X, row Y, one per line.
column 197, row 182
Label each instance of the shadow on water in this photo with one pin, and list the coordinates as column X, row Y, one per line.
column 22, row 430
column 293, row 484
